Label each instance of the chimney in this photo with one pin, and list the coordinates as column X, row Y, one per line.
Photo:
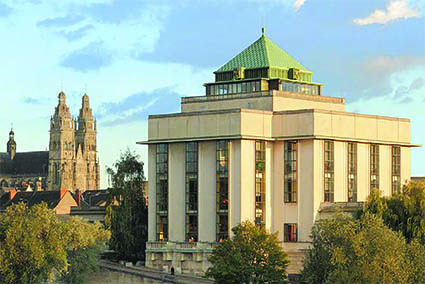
column 62, row 192
column 78, row 196
column 12, row 193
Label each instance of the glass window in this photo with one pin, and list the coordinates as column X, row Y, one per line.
column 290, row 233
column 222, row 197
column 260, row 183
column 329, row 171
column 352, row 172
column 239, row 88
column 374, row 166
column 191, row 191
column 396, row 173
column 162, row 192
column 244, row 87
column 290, row 179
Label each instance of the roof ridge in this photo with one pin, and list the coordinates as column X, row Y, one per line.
column 266, row 48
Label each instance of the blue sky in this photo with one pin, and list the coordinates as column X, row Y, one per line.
column 135, row 58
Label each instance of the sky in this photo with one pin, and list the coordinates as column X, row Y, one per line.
column 136, row 58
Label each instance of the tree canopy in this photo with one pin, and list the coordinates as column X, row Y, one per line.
column 403, row 212
column 127, row 211
column 35, row 244
column 252, row 255
column 364, row 250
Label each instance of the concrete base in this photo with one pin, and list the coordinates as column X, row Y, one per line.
column 192, row 258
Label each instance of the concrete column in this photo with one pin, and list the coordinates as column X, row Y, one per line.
column 234, row 183
column 152, row 192
column 340, row 172
column 207, row 191
column 385, row 169
column 176, row 192
column 269, row 184
column 405, row 165
column 363, row 171
column 276, row 196
column 310, row 185
column 247, row 177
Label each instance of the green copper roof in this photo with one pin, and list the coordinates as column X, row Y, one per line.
column 262, row 54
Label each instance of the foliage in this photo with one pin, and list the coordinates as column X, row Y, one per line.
column 35, row 246
column 346, row 250
column 403, row 212
column 252, row 255
column 31, row 245
column 86, row 242
column 127, row 212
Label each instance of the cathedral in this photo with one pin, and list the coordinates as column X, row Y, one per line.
column 71, row 161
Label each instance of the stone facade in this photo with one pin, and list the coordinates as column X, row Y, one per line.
column 73, row 162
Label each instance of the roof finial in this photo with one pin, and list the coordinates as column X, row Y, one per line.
column 263, row 30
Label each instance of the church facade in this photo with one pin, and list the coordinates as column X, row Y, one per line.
column 71, row 162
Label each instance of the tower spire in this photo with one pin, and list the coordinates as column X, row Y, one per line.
column 263, row 30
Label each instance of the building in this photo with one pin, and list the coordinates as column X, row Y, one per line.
column 21, row 169
column 59, row 201
column 264, row 144
column 73, row 162
column 91, row 205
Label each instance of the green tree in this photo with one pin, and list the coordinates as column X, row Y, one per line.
column 346, row 250
column 127, row 212
column 403, row 212
column 86, row 242
column 35, row 246
column 252, row 255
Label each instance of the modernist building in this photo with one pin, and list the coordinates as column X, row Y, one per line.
column 264, row 144
column 71, row 161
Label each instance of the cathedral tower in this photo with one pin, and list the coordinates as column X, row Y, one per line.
column 11, row 145
column 61, row 147
column 87, row 166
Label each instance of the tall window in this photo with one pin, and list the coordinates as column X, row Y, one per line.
column 162, row 192
column 290, row 186
column 374, row 166
column 352, row 172
column 396, row 184
column 192, row 191
column 260, row 183
column 329, row 171
column 222, row 171
column 290, row 233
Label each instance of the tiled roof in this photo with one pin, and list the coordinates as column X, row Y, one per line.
column 261, row 54
column 33, row 163
column 31, row 198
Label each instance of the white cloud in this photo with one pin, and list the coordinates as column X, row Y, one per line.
column 397, row 9
column 298, row 4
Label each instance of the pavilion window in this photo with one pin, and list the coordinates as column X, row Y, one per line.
column 222, row 197
column 374, row 166
column 260, row 183
column 396, row 173
column 290, row 233
column 191, row 191
column 162, row 192
column 329, row 171
column 290, row 174
column 352, row 172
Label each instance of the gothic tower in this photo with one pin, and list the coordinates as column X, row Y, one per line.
column 61, row 147
column 87, row 165
column 11, row 145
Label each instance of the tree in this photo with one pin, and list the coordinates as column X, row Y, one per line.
column 403, row 212
column 35, row 245
column 252, row 255
column 346, row 250
column 86, row 242
column 127, row 211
